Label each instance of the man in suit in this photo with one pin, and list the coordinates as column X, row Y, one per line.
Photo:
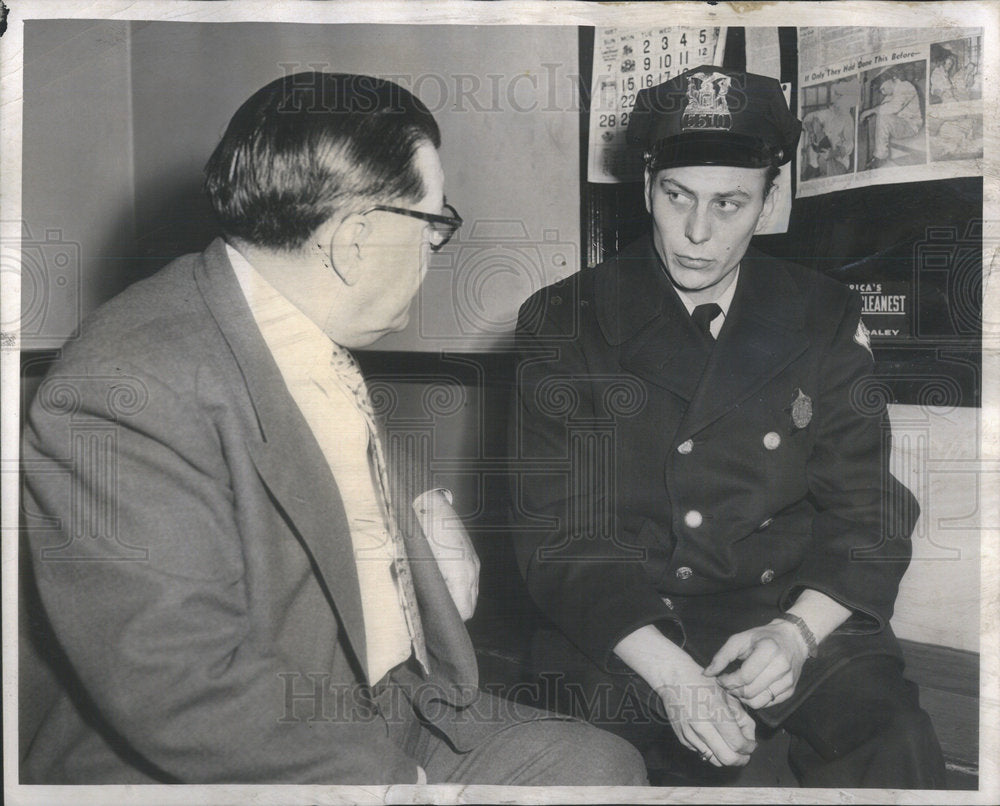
column 706, row 514
column 220, row 555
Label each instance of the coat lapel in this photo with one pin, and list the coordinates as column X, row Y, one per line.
column 762, row 335
column 659, row 343
column 287, row 456
column 649, row 324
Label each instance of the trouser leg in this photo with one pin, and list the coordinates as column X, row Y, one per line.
column 863, row 727
column 517, row 746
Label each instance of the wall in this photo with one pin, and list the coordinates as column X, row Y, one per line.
column 77, row 199
column 935, row 452
column 505, row 101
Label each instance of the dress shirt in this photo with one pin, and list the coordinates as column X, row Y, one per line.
column 303, row 354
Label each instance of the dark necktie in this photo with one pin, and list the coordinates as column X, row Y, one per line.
column 703, row 316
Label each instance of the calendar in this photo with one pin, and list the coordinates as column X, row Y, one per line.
column 627, row 60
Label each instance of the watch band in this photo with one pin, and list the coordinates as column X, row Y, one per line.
column 804, row 631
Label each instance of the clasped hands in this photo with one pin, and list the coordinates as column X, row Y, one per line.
column 707, row 707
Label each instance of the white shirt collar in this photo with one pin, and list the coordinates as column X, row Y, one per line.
column 296, row 342
column 723, row 302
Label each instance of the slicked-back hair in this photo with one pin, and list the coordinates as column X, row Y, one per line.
column 310, row 144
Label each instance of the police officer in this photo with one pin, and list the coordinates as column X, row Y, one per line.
column 709, row 522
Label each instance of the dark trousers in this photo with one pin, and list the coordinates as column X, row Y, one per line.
column 862, row 727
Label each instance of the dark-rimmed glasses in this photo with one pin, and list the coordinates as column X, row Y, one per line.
column 443, row 227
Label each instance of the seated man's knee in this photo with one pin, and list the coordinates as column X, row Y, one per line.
column 614, row 761
column 595, row 757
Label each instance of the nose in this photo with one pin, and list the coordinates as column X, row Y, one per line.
column 698, row 227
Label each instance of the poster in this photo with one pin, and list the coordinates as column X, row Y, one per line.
column 885, row 105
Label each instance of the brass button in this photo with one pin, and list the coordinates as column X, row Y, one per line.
column 772, row 439
column 685, row 447
column 693, row 519
column 683, row 572
column 767, row 576
column 765, row 524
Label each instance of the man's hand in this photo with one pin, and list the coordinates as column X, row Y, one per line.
column 704, row 716
column 456, row 556
column 772, row 658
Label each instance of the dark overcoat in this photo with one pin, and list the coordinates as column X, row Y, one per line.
column 664, row 480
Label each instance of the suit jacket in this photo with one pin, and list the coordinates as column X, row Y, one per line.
column 195, row 563
column 701, row 487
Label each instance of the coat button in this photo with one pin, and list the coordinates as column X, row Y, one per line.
column 683, row 572
column 765, row 524
column 668, row 603
column 685, row 447
column 767, row 576
column 693, row 518
column 772, row 440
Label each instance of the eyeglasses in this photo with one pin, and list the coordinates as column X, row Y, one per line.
column 443, row 227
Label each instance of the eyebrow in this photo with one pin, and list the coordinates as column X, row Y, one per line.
column 727, row 195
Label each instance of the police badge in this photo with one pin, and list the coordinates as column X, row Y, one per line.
column 802, row 409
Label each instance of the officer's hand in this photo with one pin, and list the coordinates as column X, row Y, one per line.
column 705, row 717
column 772, row 658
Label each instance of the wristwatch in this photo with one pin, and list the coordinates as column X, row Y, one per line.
column 804, row 631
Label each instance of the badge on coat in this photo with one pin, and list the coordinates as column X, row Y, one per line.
column 802, row 409
column 864, row 337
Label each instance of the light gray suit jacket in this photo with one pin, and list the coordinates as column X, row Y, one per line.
column 195, row 564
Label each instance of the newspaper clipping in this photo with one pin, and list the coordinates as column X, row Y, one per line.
column 885, row 105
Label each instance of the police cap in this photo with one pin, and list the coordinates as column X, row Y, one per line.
column 714, row 116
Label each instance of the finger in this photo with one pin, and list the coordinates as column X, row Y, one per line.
column 723, row 752
column 768, row 676
column 784, row 688
column 777, row 691
column 687, row 737
column 733, row 733
column 763, row 653
column 736, row 647
column 743, row 719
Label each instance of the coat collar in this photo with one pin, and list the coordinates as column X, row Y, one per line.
column 659, row 343
column 286, row 454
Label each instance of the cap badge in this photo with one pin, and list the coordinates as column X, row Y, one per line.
column 707, row 107
column 802, row 409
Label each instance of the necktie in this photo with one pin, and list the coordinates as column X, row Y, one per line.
column 703, row 316
column 350, row 375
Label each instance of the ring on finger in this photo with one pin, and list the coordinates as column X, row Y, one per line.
column 772, row 695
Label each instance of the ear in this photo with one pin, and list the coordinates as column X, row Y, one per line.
column 648, row 190
column 347, row 239
column 768, row 210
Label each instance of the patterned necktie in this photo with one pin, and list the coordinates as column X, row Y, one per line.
column 349, row 373
column 703, row 316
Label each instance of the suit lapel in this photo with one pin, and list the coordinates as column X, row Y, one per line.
column 761, row 336
column 287, row 456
